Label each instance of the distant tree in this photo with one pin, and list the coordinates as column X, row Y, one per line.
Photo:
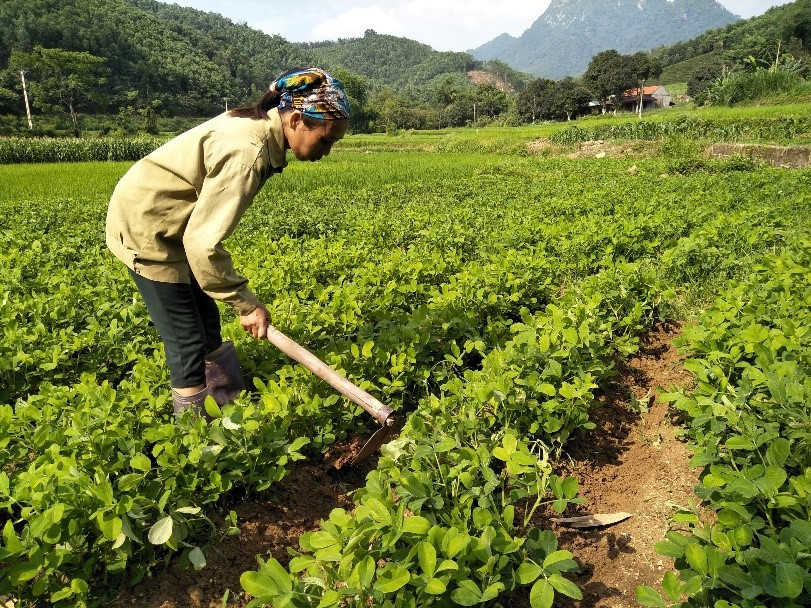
column 701, row 78
column 604, row 76
column 63, row 80
column 569, row 97
column 797, row 23
column 447, row 88
column 610, row 74
column 644, row 66
column 460, row 112
column 490, row 101
column 535, row 101
column 9, row 100
column 357, row 90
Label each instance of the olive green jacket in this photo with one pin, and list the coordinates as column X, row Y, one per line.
column 173, row 209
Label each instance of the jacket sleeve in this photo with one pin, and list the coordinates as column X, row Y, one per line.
column 232, row 180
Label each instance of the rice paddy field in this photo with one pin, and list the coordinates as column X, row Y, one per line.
column 491, row 286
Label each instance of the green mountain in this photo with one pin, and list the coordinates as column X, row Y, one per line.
column 785, row 29
column 185, row 62
column 392, row 60
column 563, row 40
column 185, row 59
column 409, row 66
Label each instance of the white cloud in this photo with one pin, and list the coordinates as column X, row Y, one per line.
column 750, row 8
column 443, row 24
column 355, row 21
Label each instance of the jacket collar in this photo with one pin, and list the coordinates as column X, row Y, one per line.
column 275, row 140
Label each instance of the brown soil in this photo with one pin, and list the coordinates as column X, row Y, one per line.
column 267, row 527
column 480, row 77
column 613, row 149
column 632, row 462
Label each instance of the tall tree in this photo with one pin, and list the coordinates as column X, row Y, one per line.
column 63, row 80
column 490, row 101
column 570, row 97
column 610, row 74
column 536, row 99
column 357, row 90
column 601, row 75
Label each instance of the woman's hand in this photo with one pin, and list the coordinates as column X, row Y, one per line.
column 256, row 322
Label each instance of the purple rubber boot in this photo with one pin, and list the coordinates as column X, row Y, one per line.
column 195, row 402
column 223, row 375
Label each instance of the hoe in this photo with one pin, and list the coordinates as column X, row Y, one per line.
column 381, row 413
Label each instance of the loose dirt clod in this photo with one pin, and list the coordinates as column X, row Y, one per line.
column 342, row 455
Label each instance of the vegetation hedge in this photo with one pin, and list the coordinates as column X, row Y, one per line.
column 768, row 129
column 15, row 150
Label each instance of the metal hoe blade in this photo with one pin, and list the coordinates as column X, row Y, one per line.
column 375, row 441
column 597, row 520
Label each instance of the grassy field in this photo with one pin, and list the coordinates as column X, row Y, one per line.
column 484, row 291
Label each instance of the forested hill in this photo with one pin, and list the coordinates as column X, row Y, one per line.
column 181, row 61
column 185, row 59
column 788, row 26
column 404, row 63
column 392, row 60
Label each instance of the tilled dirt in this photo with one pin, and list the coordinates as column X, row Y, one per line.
column 632, row 462
column 267, row 527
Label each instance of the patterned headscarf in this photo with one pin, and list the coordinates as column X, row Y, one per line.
column 314, row 92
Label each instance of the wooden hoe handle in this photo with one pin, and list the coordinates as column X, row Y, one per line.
column 381, row 413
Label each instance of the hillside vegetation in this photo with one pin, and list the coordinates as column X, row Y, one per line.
column 143, row 65
column 392, row 60
column 788, row 27
column 143, row 59
column 187, row 60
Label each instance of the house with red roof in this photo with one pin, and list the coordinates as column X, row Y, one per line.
column 653, row 96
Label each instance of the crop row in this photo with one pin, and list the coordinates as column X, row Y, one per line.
column 63, row 150
column 750, row 421
column 447, row 518
column 764, row 129
column 365, row 264
column 404, row 287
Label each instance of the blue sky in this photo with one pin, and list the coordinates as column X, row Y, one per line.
column 446, row 25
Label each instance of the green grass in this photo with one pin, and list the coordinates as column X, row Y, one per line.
column 683, row 71
column 76, row 181
column 514, row 140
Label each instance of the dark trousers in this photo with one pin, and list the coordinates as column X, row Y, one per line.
column 188, row 323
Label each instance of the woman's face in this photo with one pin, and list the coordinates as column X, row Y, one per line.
column 312, row 143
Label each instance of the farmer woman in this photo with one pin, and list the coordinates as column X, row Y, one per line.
column 170, row 213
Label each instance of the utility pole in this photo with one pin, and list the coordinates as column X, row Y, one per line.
column 25, row 95
column 225, row 99
column 641, row 97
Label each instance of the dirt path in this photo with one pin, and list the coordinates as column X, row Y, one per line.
column 632, row 462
